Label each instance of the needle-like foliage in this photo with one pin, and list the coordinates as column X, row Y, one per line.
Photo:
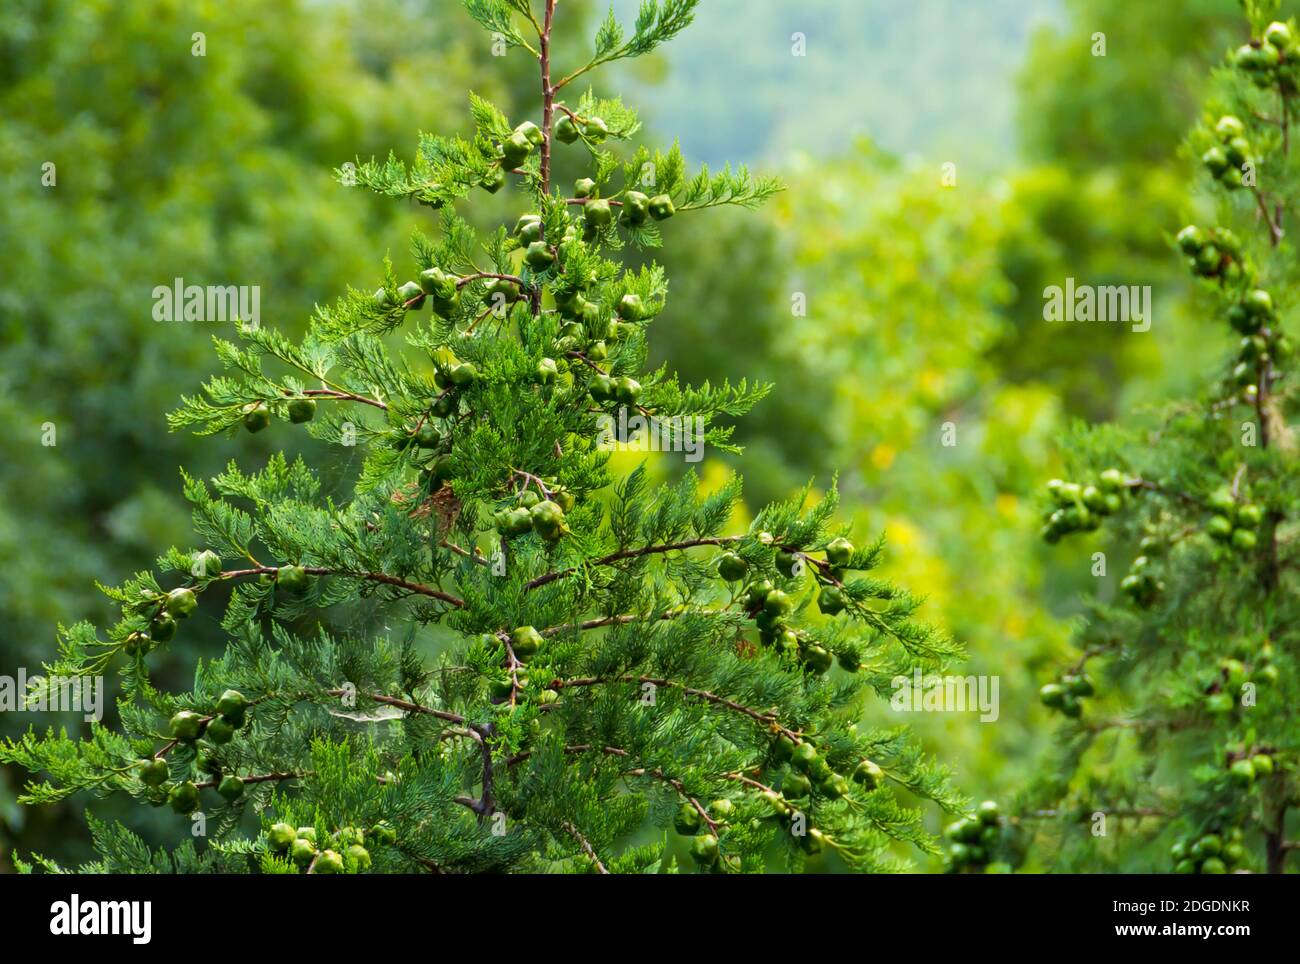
column 543, row 659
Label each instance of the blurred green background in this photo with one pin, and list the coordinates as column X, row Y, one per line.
column 924, row 297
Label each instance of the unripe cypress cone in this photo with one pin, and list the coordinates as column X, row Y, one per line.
column 525, row 641
column 661, row 207
column 1278, row 35
column 817, row 659
column 184, row 798
column 302, row 410
column 839, row 552
column 529, row 228
column 302, row 851
column 1190, row 239
column 627, row 390
column 515, row 149
column 566, row 131
column 1229, row 127
column 205, row 564
column 636, row 208
column 153, row 772
column 539, row 256
column 731, row 567
column 462, row 375
column 532, row 133
column 598, row 213
column 281, row 836
column 219, row 731
column 1080, row 685
column 181, row 603
column 292, row 579
column 436, row 282
column 411, row 295
column 548, row 519
column 329, row 862
column 830, row 600
column 631, row 307
column 257, row 418
column 777, row 603
column 162, row 627
column 804, row 755
column 704, row 849
column 502, row 291
column 185, row 725
column 869, row 775
column 360, row 856
column 687, row 820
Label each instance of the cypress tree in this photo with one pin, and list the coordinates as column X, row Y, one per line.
column 475, row 646
column 1178, row 752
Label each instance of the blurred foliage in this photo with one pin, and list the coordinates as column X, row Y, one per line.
column 1100, row 187
column 1080, row 111
column 906, row 297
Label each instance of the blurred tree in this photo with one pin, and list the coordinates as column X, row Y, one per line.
column 905, row 299
column 1082, row 108
column 1100, row 187
column 1178, row 701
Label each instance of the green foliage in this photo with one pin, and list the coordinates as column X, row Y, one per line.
column 1182, row 734
column 594, row 669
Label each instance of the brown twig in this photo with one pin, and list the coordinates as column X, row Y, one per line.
column 344, row 396
column 1274, row 231
column 408, row 706
column 254, row 778
column 548, row 95
column 466, row 279
column 766, row 719
column 633, row 554
column 381, row 577
column 585, row 844
column 636, row 772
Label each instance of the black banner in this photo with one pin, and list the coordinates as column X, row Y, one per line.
column 135, row 914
